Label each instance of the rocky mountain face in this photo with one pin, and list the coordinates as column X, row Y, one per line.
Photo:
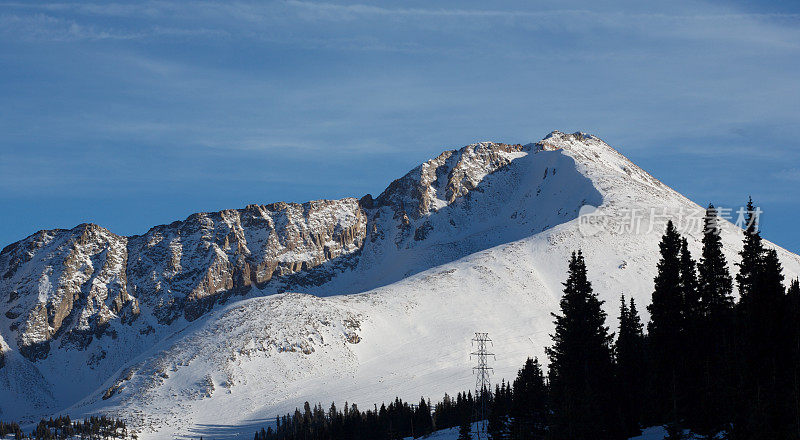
column 440, row 181
column 239, row 315
column 65, row 284
column 61, row 289
column 74, row 285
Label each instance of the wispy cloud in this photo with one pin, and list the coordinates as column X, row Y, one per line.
column 257, row 19
column 43, row 27
column 790, row 174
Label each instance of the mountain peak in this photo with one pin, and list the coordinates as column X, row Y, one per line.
column 557, row 140
column 473, row 238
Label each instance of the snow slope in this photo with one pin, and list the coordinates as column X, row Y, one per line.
column 473, row 240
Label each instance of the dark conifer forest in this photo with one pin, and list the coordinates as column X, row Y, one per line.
column 707, row 363
column 62, row 427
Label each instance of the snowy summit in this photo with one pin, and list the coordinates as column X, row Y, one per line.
column 220, row 322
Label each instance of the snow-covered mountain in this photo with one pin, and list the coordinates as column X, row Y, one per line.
column 190, row 330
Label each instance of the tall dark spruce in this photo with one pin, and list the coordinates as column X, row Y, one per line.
column 767, row 407
column 630, row 356
column 529, row 404
column 692, row 309
column 581, row 365
column 751, row 255
column 715, row 337
column 693, row 330
column 793, row 328
column 423, row 421
column 665, row 333
column 715, row 282
column 498, row 426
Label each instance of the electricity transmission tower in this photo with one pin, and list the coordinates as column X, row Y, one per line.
column 483, row 386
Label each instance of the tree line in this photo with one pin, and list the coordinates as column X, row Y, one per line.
column 62, row 427
column 397, row 420
column 10, row 428
column 705, row 362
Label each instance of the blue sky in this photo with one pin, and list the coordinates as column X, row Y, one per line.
column 135, row 114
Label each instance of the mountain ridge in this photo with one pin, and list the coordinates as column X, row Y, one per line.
column 485, row 223
column 325, row 246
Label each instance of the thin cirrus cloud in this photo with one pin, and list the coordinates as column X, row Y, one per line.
column 791, row 174
column 254, row 21
column 43, row 27
column 208, row 96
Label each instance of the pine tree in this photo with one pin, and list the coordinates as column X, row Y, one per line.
column 635, row 323
column 715, row 283
column 529, row 407
column 665, row 330
column 423, row 423
column 766, row 382
column 691, row 309
column 751, row 256
column 768, row 372
column 498, row 426
column 630, row 357
column 793, row 317
column 793, row 292
column 793, row 328
column 695, row 403
column 581, row 375
column 469, row 406
column 715, row 336
column 465, row 430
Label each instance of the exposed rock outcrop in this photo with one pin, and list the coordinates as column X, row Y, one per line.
column 181, row 268
column 62, row 289
column 438, row 182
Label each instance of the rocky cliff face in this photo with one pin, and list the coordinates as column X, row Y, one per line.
column 72, row 286
column 440, row 181
column 66, row 284
column 182, row 268
column 62, row 289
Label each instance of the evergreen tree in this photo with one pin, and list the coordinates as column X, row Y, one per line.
column 666, row 338
column 635, row 324
column 715, row 283
column 768, row 373
column 630, row 357
column 581, row 375
column 793, row 328
column 498, row 423
column 715, row 337
column 465, row 430
column 765, row 389
column 529, row 408
column 444, row 413
column 793, row 317
column 468, row 407
column 499, row 426
column 692, row 309
column 695, row 403
column 423, row 423
column 793, row 293
column 751, row 256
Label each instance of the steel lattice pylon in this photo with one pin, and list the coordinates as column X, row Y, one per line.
column 483, row 386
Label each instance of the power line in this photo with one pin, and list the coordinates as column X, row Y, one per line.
column 483, row 386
